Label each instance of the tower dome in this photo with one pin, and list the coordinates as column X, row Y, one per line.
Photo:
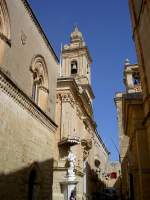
column 76, row 35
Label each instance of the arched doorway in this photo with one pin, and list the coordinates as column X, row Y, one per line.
column 33, row 185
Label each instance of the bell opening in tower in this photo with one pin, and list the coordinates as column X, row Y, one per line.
column 74, row 67
column 136, row 78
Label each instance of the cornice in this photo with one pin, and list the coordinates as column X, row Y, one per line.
column 74, row 49
column 133, row 96
column 39, row 28
column 129, row 101
column 8, row 87
column 89, row 88
column 118, row 97
column 101, row 142
column 86, row 101
column 60, row 168
column 66, row 96
column 77, row 171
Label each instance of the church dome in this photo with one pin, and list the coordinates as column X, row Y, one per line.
column 76, row 35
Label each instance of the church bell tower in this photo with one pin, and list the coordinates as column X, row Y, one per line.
column 76, row 60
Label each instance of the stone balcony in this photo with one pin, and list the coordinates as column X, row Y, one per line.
column 70, row 140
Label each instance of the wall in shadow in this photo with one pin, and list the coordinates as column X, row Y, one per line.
column 17, row 185
column 94, row 184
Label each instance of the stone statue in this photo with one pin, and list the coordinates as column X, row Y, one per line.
column 71, row 160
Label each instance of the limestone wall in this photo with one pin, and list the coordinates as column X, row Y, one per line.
column 26, row 42
column 26, row 142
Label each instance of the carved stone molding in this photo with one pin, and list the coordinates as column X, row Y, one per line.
column 87, row 145
column 85, row 154
column 66, row 97
column 44, row 89
column 9, row 88
column 58, row 98
column 79, row 112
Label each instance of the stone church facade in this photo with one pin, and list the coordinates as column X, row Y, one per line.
column 46, row 110
column 76, row 127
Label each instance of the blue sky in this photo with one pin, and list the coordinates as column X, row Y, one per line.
column 106, row 28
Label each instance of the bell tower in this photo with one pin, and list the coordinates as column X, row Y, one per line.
column 76, row 60
column 132, row 78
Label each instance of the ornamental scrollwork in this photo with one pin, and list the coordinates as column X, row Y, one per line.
column 79, row 112
column 86, row 145
column 66, row 97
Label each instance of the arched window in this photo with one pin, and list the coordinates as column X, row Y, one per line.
column 40, row 82
column 33, row 185
column 4, row 28
column 74, row 67
column 4, row 21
